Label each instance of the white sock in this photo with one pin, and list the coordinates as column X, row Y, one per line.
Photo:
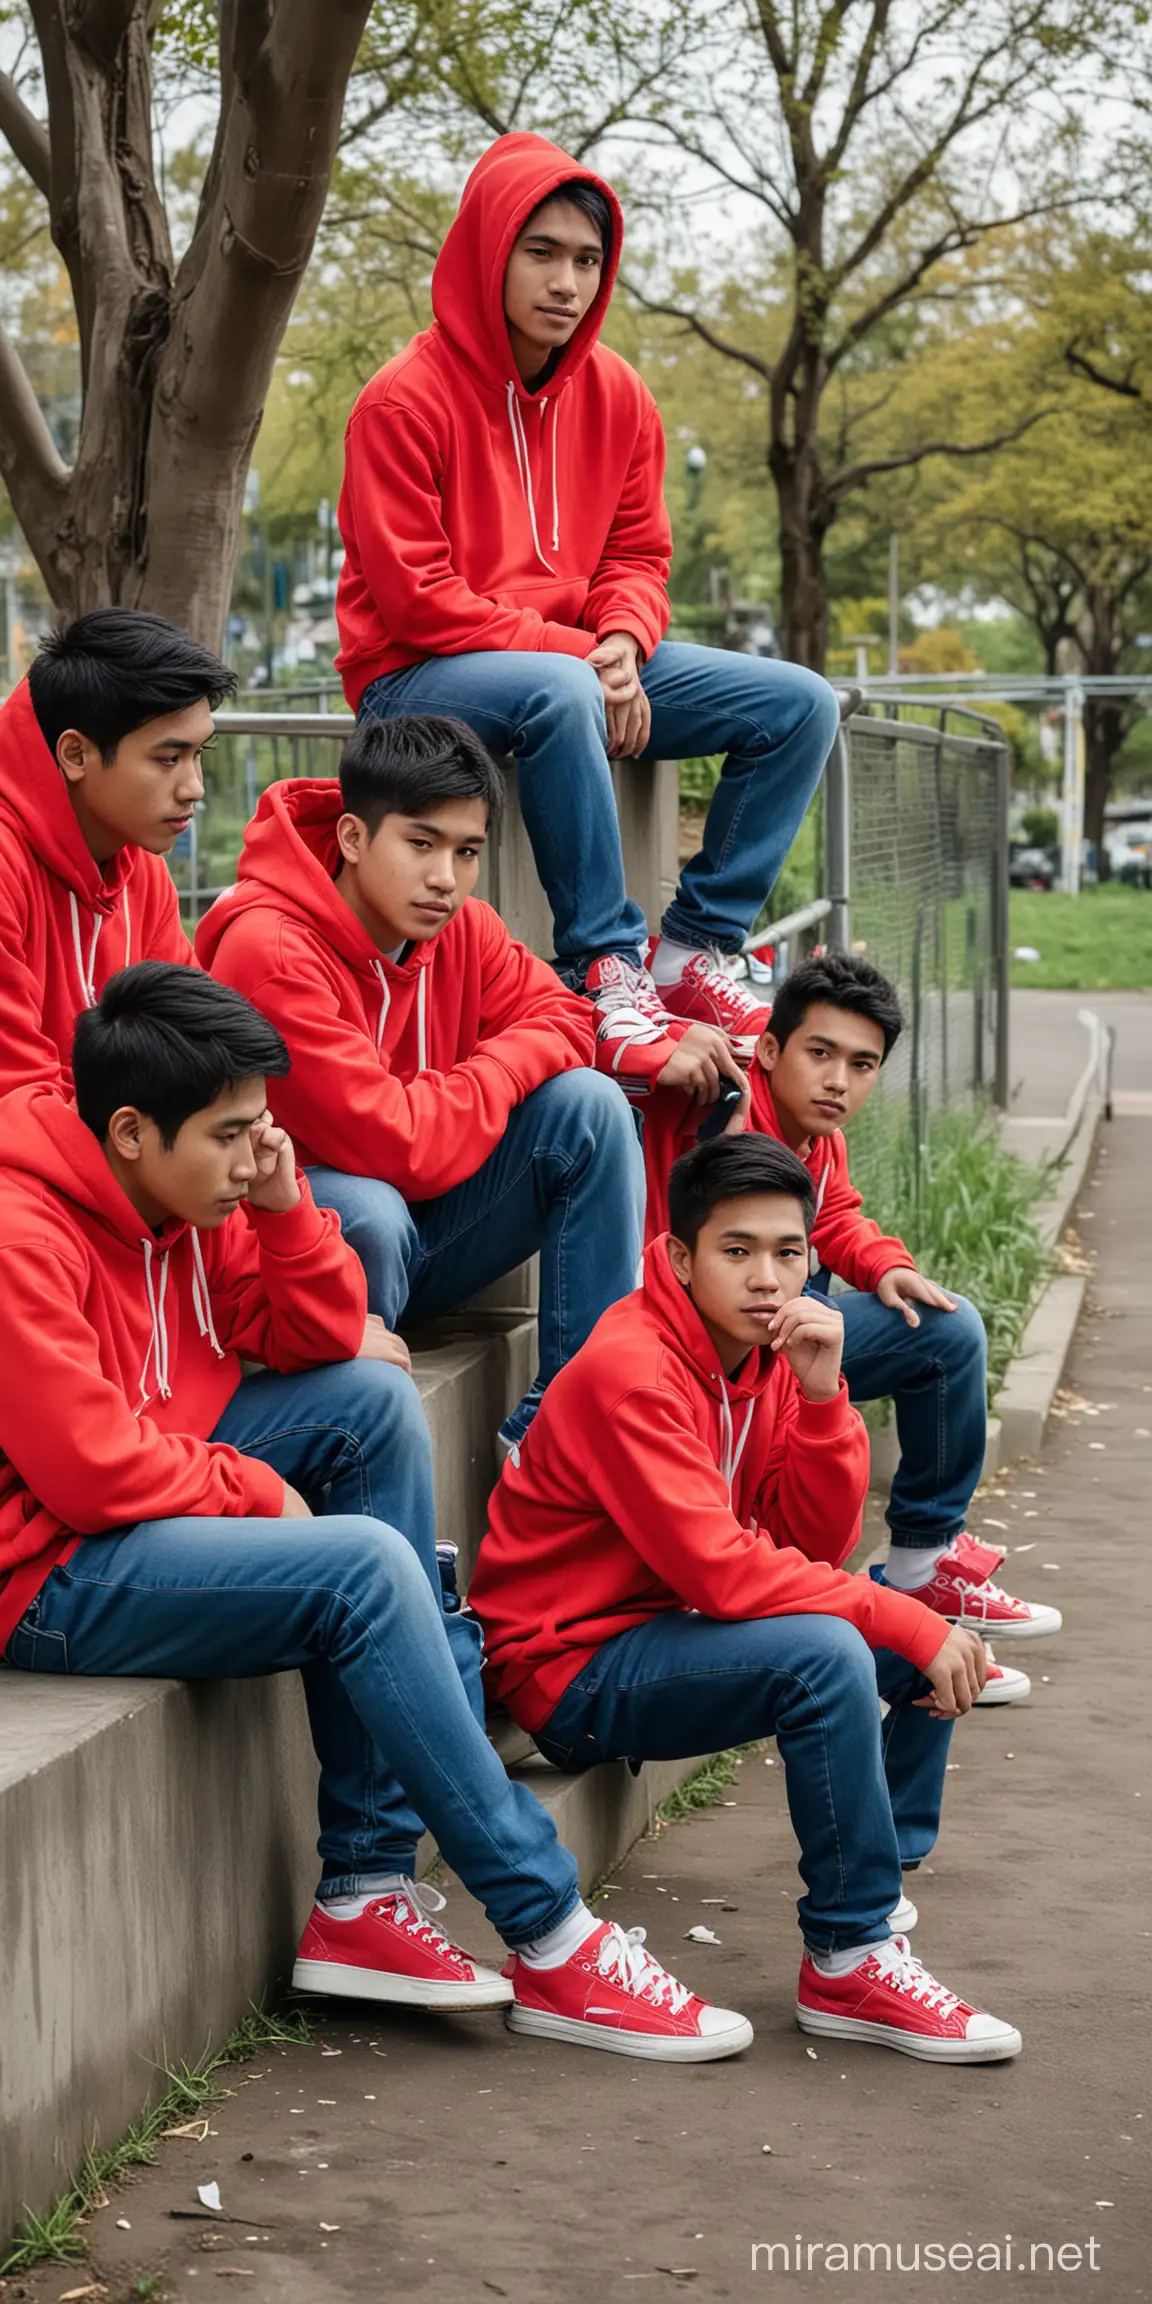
column 842, row 1963
column 907, row 1566
column 350, row 1907
column 552, row 1950
column 670, row 960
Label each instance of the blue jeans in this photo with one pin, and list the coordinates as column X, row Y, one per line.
column 351, row 1604
column 936, row 1375
column 776, row 723
column 864, row 1795
column 566, row 1180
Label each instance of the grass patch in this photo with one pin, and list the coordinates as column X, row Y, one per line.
column 1099, row 941
column 57, row 2237
column 965, row 1207
column 703, row 1790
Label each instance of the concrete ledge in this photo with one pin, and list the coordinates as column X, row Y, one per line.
column 1026, row 1396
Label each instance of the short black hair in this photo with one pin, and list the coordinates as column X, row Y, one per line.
column 733, row 1168
column 397, row 767
column 169, row 1041
column 114, row 670
column 587, row 197
column 842, row 981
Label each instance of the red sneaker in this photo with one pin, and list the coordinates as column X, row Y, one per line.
column 957, row 1592
column 1003, row 1685
column 707, row 994
column 982, row 1559
column 630, row 1012
column 613, row 1994
column 394, row 1951
column 891, row 1999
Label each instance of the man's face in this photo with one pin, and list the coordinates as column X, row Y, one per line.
column 750, row 1258
column 552, row 277
column 413, row 873
column 206, row 1173
column 147, row 793
column 826, row 1069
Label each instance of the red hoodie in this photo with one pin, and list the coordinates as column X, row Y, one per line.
column 476, row 514
column 66, row 925
column 120, row 1345
column 402, row 1070
column 848, row 1243
column 648, row 1483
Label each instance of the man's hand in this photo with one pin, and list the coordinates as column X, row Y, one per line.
column 274, row 1187
column 810, row 1334
column 901, row 1289
column 379, row 1343
column 629, row 713
column 702, row 1058
column 293, row 1507
column 957, row 1672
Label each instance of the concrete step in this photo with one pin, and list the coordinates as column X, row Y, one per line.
column 152, row 1886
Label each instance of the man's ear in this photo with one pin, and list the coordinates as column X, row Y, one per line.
column 352, row 837
column 767, row 1051
column 74, row 754
column 125, row 1132
column 680, row 1258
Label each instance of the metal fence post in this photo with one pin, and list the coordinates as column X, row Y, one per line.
column 838, row 841
column 1001, row 949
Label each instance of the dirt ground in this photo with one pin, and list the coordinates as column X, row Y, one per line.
column 481, row 2166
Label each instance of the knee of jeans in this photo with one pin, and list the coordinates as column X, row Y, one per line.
column 959, row 1336
column 836, row 1658
column 567, row 685
column 807, row 697
column 376, row 1559
column 592, row 1101
column 375, row 1397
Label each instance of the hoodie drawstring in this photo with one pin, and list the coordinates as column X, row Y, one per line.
column 421, row 1013
column 201, row 1300
column 730, row 1456
column 85, row 973
column 523, row 467
column 158, row 1343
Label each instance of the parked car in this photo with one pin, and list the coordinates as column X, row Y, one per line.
column 1032, row 867
column 1129, row 848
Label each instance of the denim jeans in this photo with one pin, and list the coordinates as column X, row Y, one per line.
column 349, row 1602
column 776, row 723
column 566, row 1180
column 936, row 1375
column 864, row 1794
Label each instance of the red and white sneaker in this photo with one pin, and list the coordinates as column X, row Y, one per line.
column 613, row 1994
column 891, row 1999
column 394, row 1951
column 983, row 1559
column 1004, row 1685
column 904, row 1918
column 957, row 1592
column 630, row 1013
column 707, row 993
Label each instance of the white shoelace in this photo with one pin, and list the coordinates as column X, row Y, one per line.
column 412, row 1910
column 977, row 1596
column 623, row 1960
column 732, row 993
column 898, row 1963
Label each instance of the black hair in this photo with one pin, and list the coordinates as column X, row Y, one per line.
column 169, row 1041
column 579, row 193
column 398, row 767
column 842, row 981
column 733, row 1168
column 115, row 669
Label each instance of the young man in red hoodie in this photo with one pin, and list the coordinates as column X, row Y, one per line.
column 661, row 1576
column 440, row 1090
column 99, row 775
column 156, row 1513
column 834, row 1023
column 507, row 559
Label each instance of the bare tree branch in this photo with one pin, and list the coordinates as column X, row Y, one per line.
column 31, row 467
column 858, row 475
column 25, row 134
column 1082, row 366
column 698, row 327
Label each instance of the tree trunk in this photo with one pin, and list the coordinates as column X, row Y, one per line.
column 803, row 584
column 1104, row 733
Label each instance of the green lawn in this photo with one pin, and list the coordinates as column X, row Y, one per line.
column 1100, row 941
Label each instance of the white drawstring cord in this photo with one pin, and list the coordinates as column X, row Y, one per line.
column 421, row 1031
column 520, row 444
column 201, row 1300
column 84, row 973
column 127, row 932
column 730, row 1455
column 385, row 1001
column 555, row 493
column 158, row 1344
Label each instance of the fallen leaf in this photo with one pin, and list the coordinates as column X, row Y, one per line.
column 331, row 2051
column 122, row 2224
column 209, row 2195
column 234, row 2272
column 701, row 1935
column 329, row 2227
column 94, row 2288
column 494, row 2290
column 196, row 2129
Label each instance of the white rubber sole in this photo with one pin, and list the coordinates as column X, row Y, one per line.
column 338, row 1982
column 999, row 1692
column 1048, row 1620
column 540, row 2026
column 830, row 2027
